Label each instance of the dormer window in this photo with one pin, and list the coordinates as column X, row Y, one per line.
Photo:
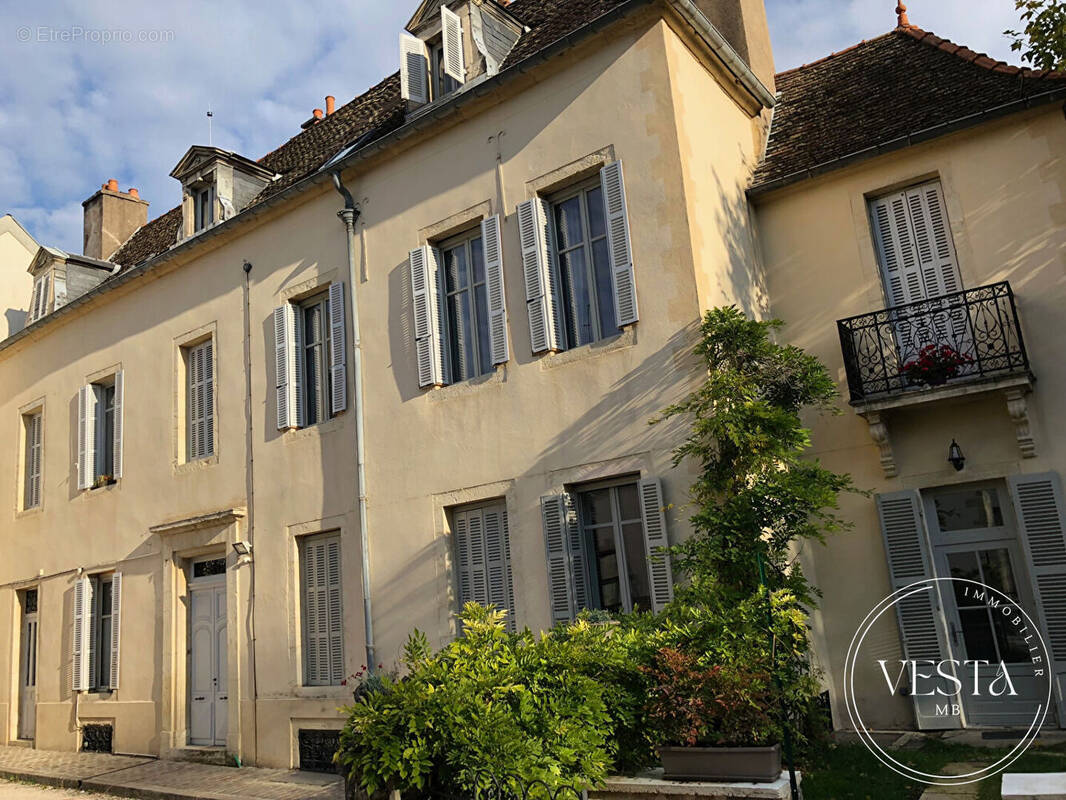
column 203, row 201
column 449, row 44
column 41, row 299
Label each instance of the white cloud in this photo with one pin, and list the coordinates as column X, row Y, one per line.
column 76, row 112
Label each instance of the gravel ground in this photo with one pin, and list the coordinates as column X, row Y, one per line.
column 28, row 791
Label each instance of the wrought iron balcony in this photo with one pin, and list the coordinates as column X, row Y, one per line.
column 962, row 337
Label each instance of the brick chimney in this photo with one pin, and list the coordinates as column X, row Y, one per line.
column 111, row 217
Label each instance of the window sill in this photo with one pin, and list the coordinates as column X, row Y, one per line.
column 187, row 467
column 105, row 488
column 469, row 386
column 324, row 693
column 321, row 429
column 29, row 512
column 621, row 341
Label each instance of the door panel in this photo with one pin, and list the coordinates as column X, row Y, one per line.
column 221, row 692
column 27, row 720
column 208, row 695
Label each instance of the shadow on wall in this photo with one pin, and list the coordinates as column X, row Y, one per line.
column 16, row 321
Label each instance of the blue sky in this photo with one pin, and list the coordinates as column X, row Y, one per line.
column 97, row 89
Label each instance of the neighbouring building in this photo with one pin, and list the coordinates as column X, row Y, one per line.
column 17, row 297
column 255, row 445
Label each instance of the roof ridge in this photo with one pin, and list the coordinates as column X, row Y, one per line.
column 972, row 56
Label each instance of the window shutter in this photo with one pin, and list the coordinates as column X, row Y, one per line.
column 492, row 243
column 59, row 290
column 33, row 462
column 414, row 69
column 932, row 239
column 656, row 542
column 116, row 471
column 452, row 37
column 920, row 614
column 83, row 600
column 323, row 613
column 338, row 358
column 208, row 396
column 895, row 247
column 560, row 570
column 479, row 590
column 461, row 531
column 86, row 436
column 116, row 616
column 1039, row 503
column 498, row 562
column 285, row 366
column 614, row 198
column 32, row 316
column 336, row 611
column 545, row 325
column 426, row 302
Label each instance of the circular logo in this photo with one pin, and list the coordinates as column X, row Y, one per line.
column 1006, row 677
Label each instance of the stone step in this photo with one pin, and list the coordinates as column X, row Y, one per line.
column 1034, row 786
column 216, row 756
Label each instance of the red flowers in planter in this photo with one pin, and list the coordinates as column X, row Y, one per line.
column 935, row 365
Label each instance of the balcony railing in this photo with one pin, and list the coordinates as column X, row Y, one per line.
column 955, row 338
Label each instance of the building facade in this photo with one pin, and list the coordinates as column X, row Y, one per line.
column 257, row 444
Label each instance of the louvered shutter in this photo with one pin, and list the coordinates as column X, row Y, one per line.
column 86, row 436
column 414, row 69
column 452, row 38
column 116, row 624
column 285, row 362
column 542, row 297
column 614, row 198
column 567, row 573
column 479, row 589
column 33, row 462
column 498, row 562
column 32, row 316
column 426, row 303
column 492, row 242
column 116, row 430
column 461, row 532
column 208, row 396
column 83, row 601
column 1038, row 502
column 895, row 246
column 323, row 613
column 655, row 543
column 338, row 352
column 195, row 433
column 932, row 239
column 336, row 611
column 919, row 615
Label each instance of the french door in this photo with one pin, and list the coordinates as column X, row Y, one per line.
column 27, row 720
column 208, row 695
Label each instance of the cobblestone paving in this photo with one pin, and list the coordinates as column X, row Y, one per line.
column 162, row 780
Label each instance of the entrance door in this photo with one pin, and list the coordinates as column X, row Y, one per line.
column 207, row 664
column 27, row 727
column 974, row 537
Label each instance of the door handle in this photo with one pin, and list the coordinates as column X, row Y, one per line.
column 954, row 633
column 198, row 699
column 224, row 697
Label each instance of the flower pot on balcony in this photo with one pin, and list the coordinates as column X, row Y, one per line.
column 754, row 764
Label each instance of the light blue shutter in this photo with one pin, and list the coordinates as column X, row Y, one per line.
column 656, row 543
column 492, row 243
column 338, row 370
column 285, row 356
column 920, row 614
column 568, row 583
column 614, row 199
column 542, row 296
column 428, row 317
column 1039, row 504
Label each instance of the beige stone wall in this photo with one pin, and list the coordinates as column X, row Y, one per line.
column 1004, row 186
column 537, row 423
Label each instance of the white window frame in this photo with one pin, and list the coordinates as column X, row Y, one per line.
column 203, row 196
column 100, row 649
column 465, row 241
column 589, row 545
column 324, row 407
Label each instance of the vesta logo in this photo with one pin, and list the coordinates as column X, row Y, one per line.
column 953, row 672
column 930, row 678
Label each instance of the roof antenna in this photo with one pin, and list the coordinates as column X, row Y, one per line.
column 901, row 15
column 210, row 114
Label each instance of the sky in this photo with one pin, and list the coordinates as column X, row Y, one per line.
column 98, row 89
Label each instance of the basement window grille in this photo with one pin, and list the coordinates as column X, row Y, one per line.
column 97, row 738
column 317, row 749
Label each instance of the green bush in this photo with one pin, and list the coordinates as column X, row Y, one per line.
column 560, row 709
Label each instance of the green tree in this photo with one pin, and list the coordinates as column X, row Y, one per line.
column 1043, row 40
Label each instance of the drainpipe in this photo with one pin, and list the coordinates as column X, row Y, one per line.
column 348, row 215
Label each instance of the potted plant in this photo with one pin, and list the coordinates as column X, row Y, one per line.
column 935, row 365
column 713, row 723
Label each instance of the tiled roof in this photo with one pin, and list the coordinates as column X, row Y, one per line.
column 883, row 91
column 379, row 110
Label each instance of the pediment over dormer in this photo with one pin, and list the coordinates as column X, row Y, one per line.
column 216, row 184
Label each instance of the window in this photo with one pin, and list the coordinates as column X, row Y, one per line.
column 32, row 427
column 483, row 557
column 312, row 378
column 584, row 263
column 203, row 203
column 612, row 531
column 605, row 545
column 200, row 400
column 323, row 618
column 39, row 300
column 430, row 70
column 467, row 317
column 97, row 605
column 577, row 263
column 100, row 432
column 442, row 83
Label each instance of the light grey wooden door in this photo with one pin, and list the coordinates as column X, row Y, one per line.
column 27, row 721
column 208, row 694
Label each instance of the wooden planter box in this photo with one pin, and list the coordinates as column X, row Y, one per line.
column 755, row 764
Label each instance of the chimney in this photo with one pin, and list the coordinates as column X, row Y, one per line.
column 111, row 217
column 331, row 104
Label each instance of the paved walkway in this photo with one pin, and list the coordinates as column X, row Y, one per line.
column 149, row 779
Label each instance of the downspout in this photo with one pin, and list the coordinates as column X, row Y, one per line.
column 348, row 215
